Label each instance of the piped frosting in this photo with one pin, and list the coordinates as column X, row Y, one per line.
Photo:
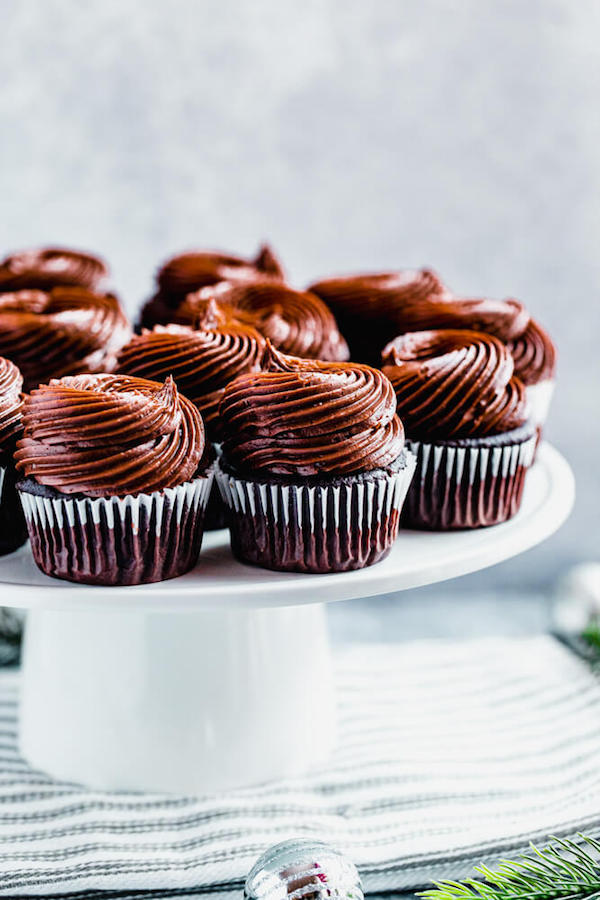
column 202, row 360
column 109, row 435
column 11, row 403
column 68, row 330
column 307, row 417
column 50, row 267
column 454, row 384
column 296, row 322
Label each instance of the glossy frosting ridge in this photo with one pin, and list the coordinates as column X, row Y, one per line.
column 417, row 300
column 195, row 269
column 202, row 360
column 454, row 384
column 534, row 354
column 109, row 435
column 296, row 322
column 67, row 330
column 11, row 403
column 49, row 267
column 306, row 417
column 379, row 293
column 504, row 319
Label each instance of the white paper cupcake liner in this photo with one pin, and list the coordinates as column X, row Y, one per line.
column 117, row 540
column 215, row 517
column 348, row 524
column 465, row 485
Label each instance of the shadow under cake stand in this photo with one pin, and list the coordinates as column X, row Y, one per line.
column 222, row 677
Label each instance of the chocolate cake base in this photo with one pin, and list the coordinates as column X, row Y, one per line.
column 116, row 540
column 470, row 483
column 13, row 530
column 319, row 525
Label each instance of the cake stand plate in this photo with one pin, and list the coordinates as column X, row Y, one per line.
column 221, row 677
column 219, row 581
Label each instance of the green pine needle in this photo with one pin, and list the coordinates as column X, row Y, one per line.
column 591, row 635
column 565, row 869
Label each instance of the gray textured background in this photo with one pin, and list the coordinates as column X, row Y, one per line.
column 353, row 134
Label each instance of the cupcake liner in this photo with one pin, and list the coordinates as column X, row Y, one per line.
column 117, row 540
column 468, row 484
column 13, row 530
column 216, row 516
column 335, row 526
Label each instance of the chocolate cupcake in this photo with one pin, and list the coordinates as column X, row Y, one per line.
column 188, row 272
column 314, row 468
column 63, row 331
column 13, row 532
column 115, row 486
column 296, row 322
column 49, row 267
column 202, row 361
column 534, row 354
column 465, row 415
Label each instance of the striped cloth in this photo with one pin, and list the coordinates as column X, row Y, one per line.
column 449, row 754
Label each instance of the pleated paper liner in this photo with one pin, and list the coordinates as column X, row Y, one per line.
column 216, row 515
column 13, row 530
column 469, row 483
column 117, row 540
column 320, row 525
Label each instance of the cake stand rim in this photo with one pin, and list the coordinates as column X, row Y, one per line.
column 450, row 555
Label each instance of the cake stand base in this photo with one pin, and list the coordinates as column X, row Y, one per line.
column 188, row 703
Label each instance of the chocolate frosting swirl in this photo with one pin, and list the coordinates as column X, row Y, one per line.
column 372, row 309
column 109, row 435
column 304, row 417
column 454, row 384
column 379, row 295
column 202, row 361
column 188, row 272
column 49, row 267
column 11, row 403
column 502, row 318
column 66, row 331
column 534, row 354
column 296, row 322
column 191, row 271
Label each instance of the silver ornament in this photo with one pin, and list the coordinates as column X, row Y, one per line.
column 303, row 869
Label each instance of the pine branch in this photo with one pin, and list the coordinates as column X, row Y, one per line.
column 565, row 870
column 591, row 635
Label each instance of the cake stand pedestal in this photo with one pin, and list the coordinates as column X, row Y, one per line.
column 220, row 678
column 175, row 701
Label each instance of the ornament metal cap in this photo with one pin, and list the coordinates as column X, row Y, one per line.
column 303, row 869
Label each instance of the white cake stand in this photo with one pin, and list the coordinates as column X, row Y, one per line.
column 220, row 678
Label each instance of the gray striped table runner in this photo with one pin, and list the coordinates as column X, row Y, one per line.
column 449, row 753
